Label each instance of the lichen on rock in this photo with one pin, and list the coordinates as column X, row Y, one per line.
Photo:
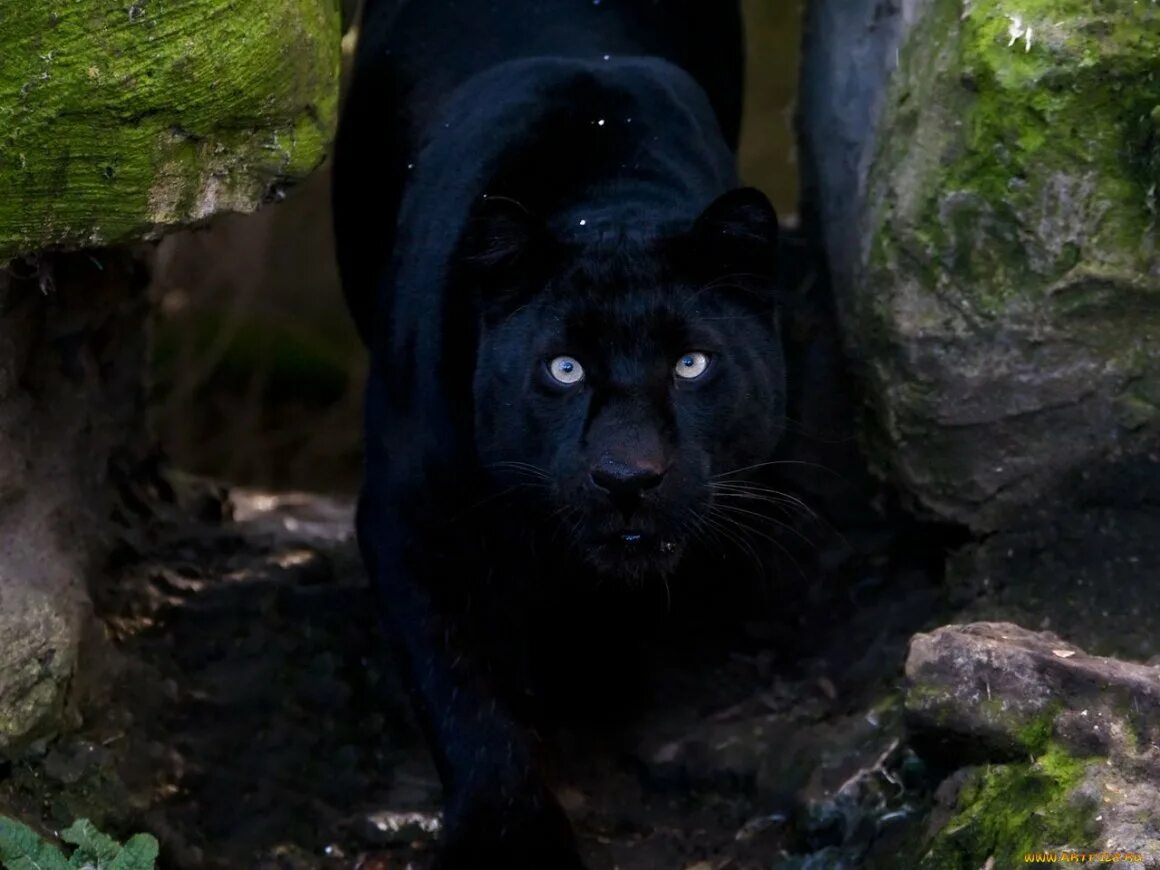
column 1062, row 749
column 993, row 228
column 119, row 120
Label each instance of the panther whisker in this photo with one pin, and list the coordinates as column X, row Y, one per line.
column 761, row 493
column 521, row 467
column 784, row 508
column 747, row 486
column 743, row 485
column 757, row 492
column 774, row 462
column 750, row 529
column 570, row 517
column 721, row 528
column 781, row 525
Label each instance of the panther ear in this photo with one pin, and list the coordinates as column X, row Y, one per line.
column 502, row 236
column 503, row 247
column 737, row 234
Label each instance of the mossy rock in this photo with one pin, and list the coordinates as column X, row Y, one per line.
column 1006, row 811
column 1065, row 744
column 993, row 220
column 119, row 120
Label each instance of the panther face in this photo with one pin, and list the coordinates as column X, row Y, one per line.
column 616, row 378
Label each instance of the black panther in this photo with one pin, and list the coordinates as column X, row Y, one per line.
column 571, row 308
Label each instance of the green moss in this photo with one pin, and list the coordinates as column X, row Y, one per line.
column 1077, row 103
column 1035, row 735
column 1143, row 144
column 118, row 117
column 1007, row 810
column 999, row 139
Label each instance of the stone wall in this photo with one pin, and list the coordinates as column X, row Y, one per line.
column 985, row 177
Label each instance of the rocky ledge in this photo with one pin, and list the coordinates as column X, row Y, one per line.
column 1060, row 749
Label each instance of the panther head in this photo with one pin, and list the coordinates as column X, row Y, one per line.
column 619, row 376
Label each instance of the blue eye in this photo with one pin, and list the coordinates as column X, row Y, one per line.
column 691, row 366
column 566, row 370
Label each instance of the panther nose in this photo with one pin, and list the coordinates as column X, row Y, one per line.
column 626, row 482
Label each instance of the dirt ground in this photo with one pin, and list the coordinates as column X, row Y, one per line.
column 244, row 713
column 242, row 710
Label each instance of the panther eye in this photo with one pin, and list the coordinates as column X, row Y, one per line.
column 691, row 366
column 566, row 370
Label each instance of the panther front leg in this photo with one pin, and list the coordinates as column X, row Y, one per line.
column 498, row 811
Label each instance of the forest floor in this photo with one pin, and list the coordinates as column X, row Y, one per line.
column 242, row 710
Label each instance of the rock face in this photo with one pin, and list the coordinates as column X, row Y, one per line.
column 70, row 405
column 122, row 119
column 1009, row 690
column 1068, row 745
column 1089, row 577
column 117, row 121
column 985, row 178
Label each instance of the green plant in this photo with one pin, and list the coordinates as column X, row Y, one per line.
column 21, row 848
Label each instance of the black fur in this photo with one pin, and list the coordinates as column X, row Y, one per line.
column 515, row 183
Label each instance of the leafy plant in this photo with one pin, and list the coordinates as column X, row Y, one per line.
column 21, row 848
